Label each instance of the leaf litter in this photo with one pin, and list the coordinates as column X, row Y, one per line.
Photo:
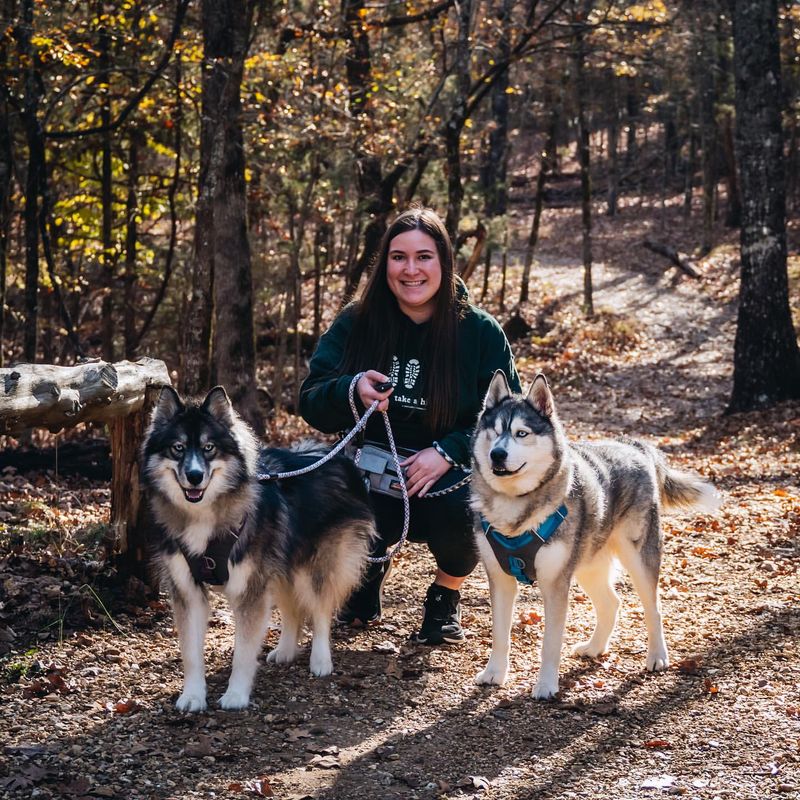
column 88, row 706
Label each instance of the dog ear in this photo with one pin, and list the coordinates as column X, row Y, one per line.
column 218, row 404
column 498, row 390
column 540, row 396
column 168, row 405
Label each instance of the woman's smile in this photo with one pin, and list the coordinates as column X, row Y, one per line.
column 414, row 273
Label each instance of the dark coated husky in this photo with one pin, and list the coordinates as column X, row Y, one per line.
column 551, row 510
column 298, row 543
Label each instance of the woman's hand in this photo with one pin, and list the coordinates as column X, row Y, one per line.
column 369, row 394
column 423, row 469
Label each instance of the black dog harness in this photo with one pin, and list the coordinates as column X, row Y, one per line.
column 517, row 554
column 211, row 566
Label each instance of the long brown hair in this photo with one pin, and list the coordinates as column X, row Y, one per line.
column 378, row 319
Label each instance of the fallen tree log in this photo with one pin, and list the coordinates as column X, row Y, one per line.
column 678, row 259
column 120, row 395
column 53, row 397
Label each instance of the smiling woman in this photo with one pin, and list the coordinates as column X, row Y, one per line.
column 426, row 355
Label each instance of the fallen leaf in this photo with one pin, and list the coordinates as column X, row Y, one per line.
column 386, row 647
column 325, row 762
column 126, row 706
column 689, row 666
column 260, row 787
column 657, row 743
column 710, row 687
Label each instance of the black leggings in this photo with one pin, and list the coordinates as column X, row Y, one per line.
column 443, row 523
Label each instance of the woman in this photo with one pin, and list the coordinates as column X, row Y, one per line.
column 415, row 329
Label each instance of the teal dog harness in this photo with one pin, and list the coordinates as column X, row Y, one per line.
column 517, row 554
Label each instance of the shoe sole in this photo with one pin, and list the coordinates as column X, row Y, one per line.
column 441, row 640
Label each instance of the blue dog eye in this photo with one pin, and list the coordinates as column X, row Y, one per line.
column 522, row 434
column 177, row 448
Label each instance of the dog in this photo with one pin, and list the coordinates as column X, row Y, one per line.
column 551, row 510
column 298, row 543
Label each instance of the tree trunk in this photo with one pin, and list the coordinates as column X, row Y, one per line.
column 545, row 167
column 613, row 153
column 226, row 25
column 6, row 166
column 585, row 164
column 196, row 342
column 691, row 158
column 131, row 241
column 33, row 135
column 375, row 190
column 495, row 167
column 708, row 134
column 455, row 124
column 766, row 356
column 632, row 110
column 108, row 259
column 733, row 217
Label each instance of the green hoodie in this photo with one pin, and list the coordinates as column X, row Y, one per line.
column 482, row 350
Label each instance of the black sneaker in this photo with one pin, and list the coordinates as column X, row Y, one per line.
column 363, row 607
column 441, row 623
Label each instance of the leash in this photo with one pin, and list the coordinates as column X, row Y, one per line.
column 360, row 424
column 357, row 428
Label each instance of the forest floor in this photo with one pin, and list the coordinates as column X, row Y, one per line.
column 87, row 692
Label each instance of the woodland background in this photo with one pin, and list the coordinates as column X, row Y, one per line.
column 207, row 183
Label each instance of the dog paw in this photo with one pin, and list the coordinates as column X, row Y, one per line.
column 321, row 666
column 544, row 690
column 279, row 656
column 657, row 662
column 234, row 700
column 491, row 676
column 191, row 701
column 587, row 650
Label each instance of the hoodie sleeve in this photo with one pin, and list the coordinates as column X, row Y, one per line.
column 323, row 396
column 494, row 353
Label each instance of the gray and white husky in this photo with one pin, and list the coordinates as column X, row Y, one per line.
column 298, row 543
column 591, row 503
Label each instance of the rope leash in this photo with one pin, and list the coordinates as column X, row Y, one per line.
column 360, row 424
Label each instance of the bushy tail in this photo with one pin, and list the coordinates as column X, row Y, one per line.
column 684, row 490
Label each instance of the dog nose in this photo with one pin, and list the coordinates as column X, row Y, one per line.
column 498, row 455
column 194, row 476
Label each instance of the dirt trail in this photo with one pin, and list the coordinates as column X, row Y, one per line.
column 401, row 721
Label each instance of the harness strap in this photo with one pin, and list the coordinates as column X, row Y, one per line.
column 517, row 554
column 211, row 566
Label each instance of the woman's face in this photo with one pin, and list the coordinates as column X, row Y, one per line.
column 414, row 273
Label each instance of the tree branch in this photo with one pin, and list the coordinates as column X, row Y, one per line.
column 133, row 103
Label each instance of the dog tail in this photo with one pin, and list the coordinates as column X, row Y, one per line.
column 684, row 490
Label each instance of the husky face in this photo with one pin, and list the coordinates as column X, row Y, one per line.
column 192, row 454
column 515, row 440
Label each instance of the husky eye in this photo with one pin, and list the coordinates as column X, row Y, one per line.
column 209, row 448
column 177, row 449
column 521, row 434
